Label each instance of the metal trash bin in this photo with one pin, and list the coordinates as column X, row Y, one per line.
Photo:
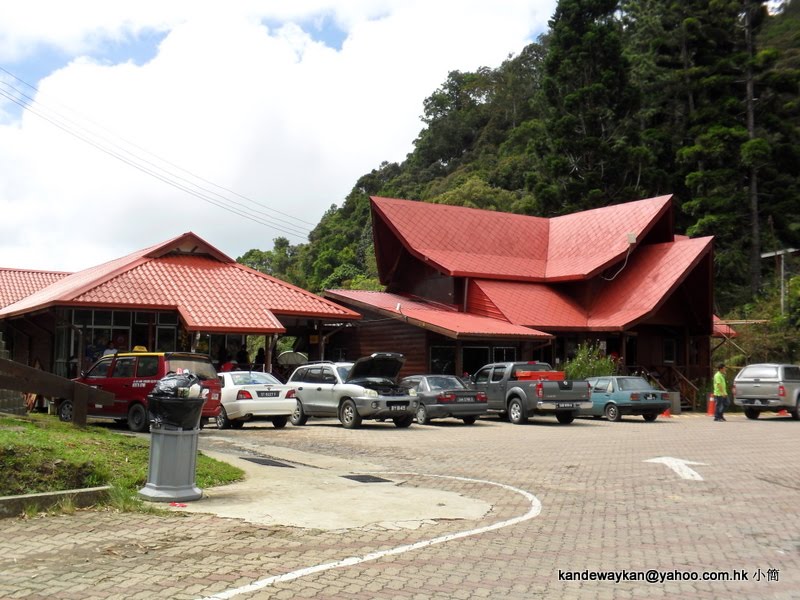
column 175, row 407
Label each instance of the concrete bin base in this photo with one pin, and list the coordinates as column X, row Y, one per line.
column 171, row 474
column 675, row 402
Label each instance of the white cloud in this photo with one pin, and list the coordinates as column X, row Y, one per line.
column 241, row 96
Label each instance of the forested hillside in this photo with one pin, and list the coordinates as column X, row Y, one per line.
column 618, row 101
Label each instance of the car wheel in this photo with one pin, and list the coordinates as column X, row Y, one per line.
column 565, row 418
column 348, row 415
column 650, row 417
column 422, row 415
column 65, row 410
column 223, row 422
column 796, row 412
column 299, row 416
column 612, row 412
column 516, row 414
column 279, row 422
column 751, row 413
column 469, row 420
column 137, row 419
column 403, row 422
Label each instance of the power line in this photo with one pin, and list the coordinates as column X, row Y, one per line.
column 151, row 168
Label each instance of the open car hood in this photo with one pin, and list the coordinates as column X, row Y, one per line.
column 380, row 364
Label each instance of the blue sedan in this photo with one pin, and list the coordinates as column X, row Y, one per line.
column 614, row 396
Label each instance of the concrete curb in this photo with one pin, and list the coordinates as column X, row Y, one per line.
column 14, row 506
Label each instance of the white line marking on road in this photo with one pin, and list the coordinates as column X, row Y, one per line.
column 535, row 509
column 679, row 466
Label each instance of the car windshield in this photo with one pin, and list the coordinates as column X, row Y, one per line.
column 199, row 366
column 343, row 371
column 442, row 382
column 633, row 383
column 253, row 378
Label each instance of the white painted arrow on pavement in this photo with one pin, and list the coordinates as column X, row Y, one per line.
column 680, row 466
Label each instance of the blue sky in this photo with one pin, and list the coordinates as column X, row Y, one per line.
column 241, row 122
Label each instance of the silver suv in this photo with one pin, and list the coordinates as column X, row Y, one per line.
column 351, row 392
column 768, row 387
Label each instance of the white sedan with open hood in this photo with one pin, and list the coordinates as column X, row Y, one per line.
column 254, row 396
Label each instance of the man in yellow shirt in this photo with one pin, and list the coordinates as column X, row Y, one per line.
column 720, row 393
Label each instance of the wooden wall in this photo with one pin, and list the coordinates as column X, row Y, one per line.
column 375, row 333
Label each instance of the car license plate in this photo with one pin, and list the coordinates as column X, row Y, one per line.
column 649, row 396
column 565, row 405
column 269, row 394
column 397, row 407
column 466, row 398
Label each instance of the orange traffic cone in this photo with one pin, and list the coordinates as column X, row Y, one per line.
column 711, row 406
column 783, row 413
column 666, row 413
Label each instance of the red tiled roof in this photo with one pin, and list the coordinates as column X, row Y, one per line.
column 436, row 317
column 493, row 245
column 16, row 284
column 646, row 281
column 210, row 290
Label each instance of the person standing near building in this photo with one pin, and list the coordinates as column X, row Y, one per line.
column 720, row 393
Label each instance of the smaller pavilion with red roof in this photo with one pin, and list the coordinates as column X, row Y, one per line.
column 182, row 294
column 465, row 287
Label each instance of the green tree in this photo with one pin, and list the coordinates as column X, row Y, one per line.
column 590, row 154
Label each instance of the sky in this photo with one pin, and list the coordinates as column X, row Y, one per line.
column 125, row 124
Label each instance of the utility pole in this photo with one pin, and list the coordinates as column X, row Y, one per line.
column 782, row 254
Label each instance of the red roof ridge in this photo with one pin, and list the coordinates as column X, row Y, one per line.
column 568, row 247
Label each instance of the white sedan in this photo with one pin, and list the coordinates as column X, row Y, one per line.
column 252, row 395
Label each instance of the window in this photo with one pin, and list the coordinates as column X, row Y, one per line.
column 124, row 367
column 602, row 385
column 504, row 354
column 482, row 376
column 328, row 376
column 791, row 373
column 669, row 350
column 443, row 359
column 147, row 367
column 167, row 318
column 100, row 369
column 497, row 374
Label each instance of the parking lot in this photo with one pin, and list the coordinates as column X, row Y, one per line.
column 549, row 511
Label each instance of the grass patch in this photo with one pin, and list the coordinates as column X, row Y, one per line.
column 39, row 453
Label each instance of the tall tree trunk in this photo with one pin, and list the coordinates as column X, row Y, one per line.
column 755, row 231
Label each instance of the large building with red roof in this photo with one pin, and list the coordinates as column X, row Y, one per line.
column 182, row 294
column 465, row 287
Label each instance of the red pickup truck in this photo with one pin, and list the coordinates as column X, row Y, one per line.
column 131, row 376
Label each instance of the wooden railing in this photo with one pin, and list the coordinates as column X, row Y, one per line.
column 688, row 390
column 29, row 380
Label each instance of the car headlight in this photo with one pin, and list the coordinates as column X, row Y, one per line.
column 412, row 392
column 370, row 393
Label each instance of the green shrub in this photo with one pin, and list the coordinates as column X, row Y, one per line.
column 589, row 361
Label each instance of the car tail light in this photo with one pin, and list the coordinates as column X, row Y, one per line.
column 664, row 396
column 446, row 397
column 781, row 391
column 539, row 390
column 291, row 394
column 634, row 396
column 244, row 395
column 481, row 397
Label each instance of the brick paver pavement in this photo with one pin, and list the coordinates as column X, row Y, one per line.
column 603, row 510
